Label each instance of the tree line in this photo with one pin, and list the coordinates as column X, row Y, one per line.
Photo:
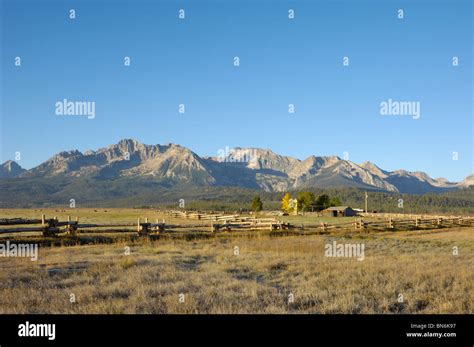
column 304, row 201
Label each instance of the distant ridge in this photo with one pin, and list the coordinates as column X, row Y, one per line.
column 252, row 168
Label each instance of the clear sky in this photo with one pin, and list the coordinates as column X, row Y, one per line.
column 282, row 61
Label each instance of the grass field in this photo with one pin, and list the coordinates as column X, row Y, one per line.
column 402, row 272
column 98, row 215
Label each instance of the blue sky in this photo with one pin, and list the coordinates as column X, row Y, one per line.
column 282, row 62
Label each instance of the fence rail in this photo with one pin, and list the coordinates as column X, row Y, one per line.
column 52, row 226
column 221, row 222
column 395, row 224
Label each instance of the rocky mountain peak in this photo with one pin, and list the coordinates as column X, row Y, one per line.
column 10, row 168
column 374, row 169
column 467, row 182
column 243, row 167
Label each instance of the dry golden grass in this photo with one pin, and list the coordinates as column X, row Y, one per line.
column 419, row 265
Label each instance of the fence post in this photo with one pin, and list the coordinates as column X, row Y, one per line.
column 365, row 224
column 390, row 223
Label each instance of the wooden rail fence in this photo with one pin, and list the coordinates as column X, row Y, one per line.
column 52, row 226
column 393, row 224
column 221, row 222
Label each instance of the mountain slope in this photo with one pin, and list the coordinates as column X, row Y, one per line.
column 467, row 182
column 252, row 168
column 10, row 169
column 127, row 158
column 334, row 172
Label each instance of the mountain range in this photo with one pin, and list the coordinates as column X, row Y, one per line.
column 176, row 166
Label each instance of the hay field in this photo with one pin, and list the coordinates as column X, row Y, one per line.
column 402, row 272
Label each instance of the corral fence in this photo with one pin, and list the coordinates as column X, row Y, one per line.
column 398, row 224
column 216, row 222
column 229, row 222
column 143, row 227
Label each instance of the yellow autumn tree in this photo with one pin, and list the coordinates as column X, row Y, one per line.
column 285, row 203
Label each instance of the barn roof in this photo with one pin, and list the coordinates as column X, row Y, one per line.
column 337, row 208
